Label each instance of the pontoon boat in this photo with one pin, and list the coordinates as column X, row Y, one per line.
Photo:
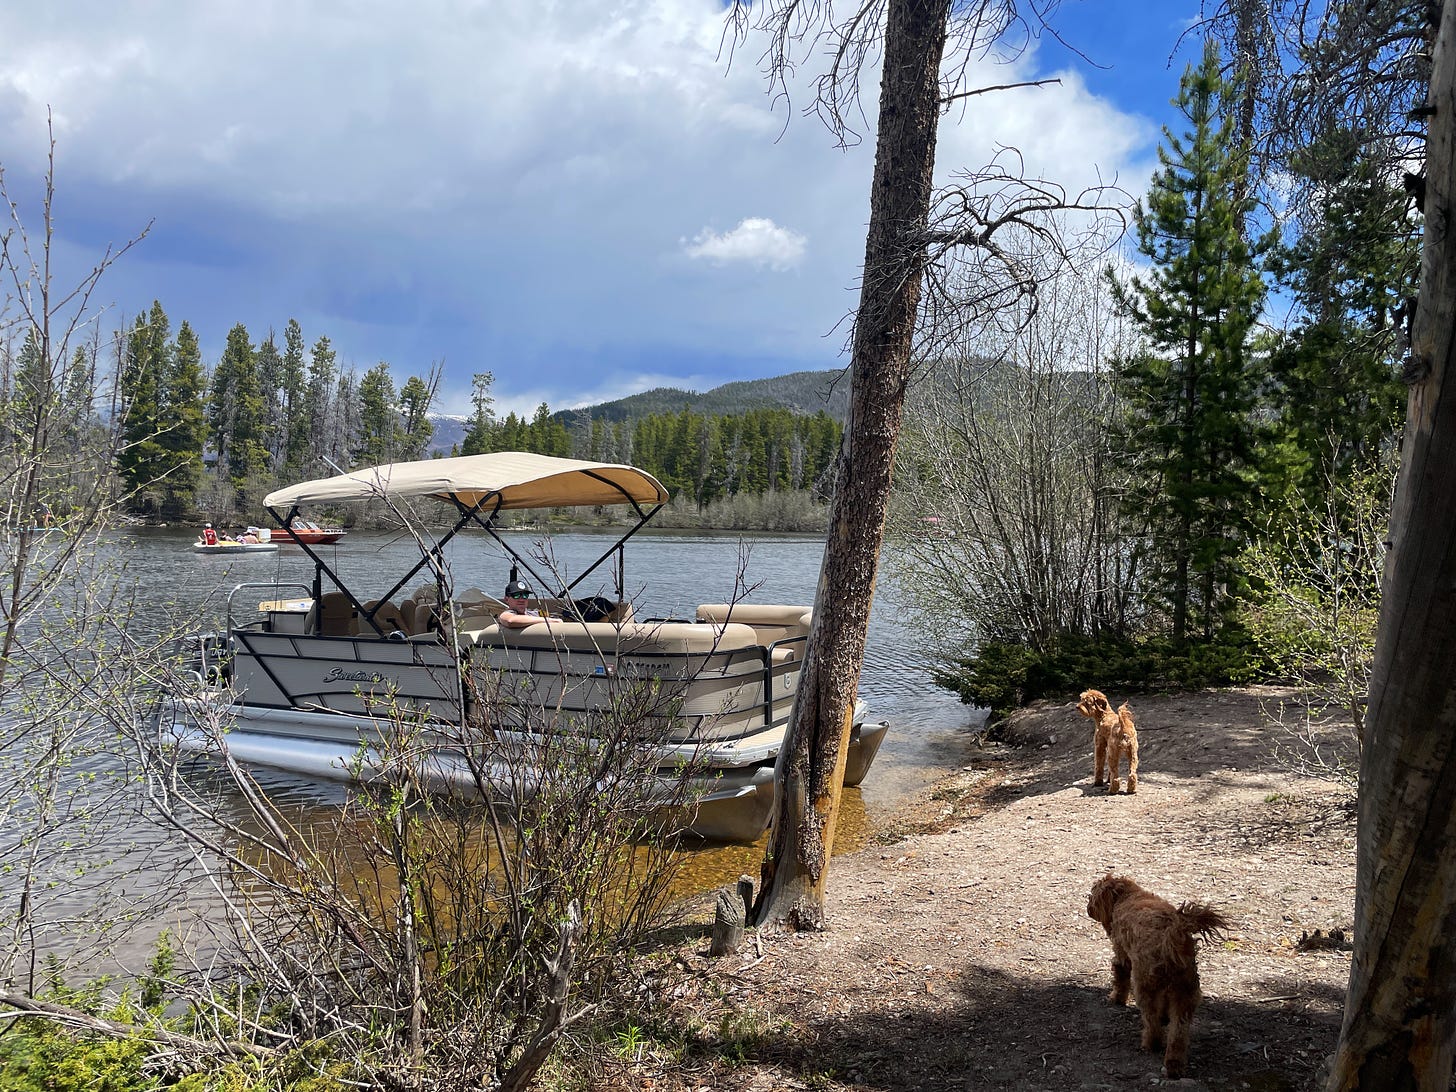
column 305, row 680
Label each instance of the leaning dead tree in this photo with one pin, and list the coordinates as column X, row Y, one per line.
column 963, row 247
column 1400, row 1012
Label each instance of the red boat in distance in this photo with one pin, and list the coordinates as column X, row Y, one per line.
column 301, row 530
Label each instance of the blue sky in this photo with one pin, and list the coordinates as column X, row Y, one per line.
column 584, row 198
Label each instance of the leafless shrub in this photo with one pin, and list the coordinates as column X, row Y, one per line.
column 1317, row 573
column 61, row 802
column 426, row 937
column 1006, row 522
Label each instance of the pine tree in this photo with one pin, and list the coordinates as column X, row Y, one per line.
column 480, row 435
column 235, row 411
column 538, row 432
column 343, row 419
column 1190, row 433
column 77, row 399
column 273, row 433
column 295, row 401
column 1337, row 387
column 512, row 435
column 414, row 406
column 143, row 459
column 33, row 384
column 325, row 432
column 183, row 429
column 709, row 458
column 378, row 436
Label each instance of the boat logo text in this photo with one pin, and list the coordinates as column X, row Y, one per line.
column 338, row 674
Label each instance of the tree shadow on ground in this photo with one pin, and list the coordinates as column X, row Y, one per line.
column 1009, row 1032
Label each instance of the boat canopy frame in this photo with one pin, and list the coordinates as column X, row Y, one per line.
column 480, row 487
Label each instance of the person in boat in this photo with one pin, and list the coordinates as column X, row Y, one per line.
column 519, row 613
column 249, row 537
column 209, row 536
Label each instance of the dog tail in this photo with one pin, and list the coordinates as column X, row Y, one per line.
column 1124, row 714
column 1202, row 921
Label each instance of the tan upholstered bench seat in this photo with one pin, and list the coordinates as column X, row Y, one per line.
column 773, row 622
column 637, row 637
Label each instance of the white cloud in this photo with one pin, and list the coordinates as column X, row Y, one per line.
column 756, row 241
column 510, row 186
column 523, row 400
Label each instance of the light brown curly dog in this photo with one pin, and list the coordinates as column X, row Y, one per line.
column 1116, row 736
column 1154, row 954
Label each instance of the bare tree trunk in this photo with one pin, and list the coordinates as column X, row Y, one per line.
column 812, row 766
column 1398, row 1027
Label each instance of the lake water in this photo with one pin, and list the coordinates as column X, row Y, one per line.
column 667, row 575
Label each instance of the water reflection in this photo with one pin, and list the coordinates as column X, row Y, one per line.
column 703, row 867
column 319, row 814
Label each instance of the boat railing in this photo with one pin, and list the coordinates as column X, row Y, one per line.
column 731, row 679
column 277, row 601
column 782, row 659
column 728, row 679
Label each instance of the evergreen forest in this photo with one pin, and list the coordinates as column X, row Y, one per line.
column 210, row 442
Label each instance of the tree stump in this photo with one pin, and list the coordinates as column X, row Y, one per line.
column 731, row 911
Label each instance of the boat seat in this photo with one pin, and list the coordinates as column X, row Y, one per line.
column 423, row 617
column 469, row 620
column 634, row 637
column 336, row 615
column 773, row 622
column 387, row 617
column 475, row 601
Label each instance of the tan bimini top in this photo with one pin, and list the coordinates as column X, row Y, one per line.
column 522, row 479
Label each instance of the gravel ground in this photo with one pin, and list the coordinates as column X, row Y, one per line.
column 960, row 956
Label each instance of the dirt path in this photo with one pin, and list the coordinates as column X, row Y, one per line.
column 961, row 955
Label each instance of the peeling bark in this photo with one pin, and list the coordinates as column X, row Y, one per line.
column 1400, row 1013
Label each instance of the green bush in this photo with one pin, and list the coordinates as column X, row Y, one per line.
column 38, row 1054
column 1002, row 676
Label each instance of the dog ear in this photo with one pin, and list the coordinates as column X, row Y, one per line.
column 1102, row 898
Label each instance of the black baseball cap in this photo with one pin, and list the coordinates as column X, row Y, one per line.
column 518, row 589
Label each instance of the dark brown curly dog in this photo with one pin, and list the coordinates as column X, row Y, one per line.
column 1116, row 736
column 1154, row 954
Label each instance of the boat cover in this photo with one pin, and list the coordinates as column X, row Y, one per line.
column 522, row 479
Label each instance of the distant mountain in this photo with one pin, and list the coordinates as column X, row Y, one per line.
column 800, row 392
column 449, row 431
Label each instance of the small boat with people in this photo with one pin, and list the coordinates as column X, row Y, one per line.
column 320, row 677
column 254, row 540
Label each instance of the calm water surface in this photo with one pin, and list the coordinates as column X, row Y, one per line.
column 668, row 574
